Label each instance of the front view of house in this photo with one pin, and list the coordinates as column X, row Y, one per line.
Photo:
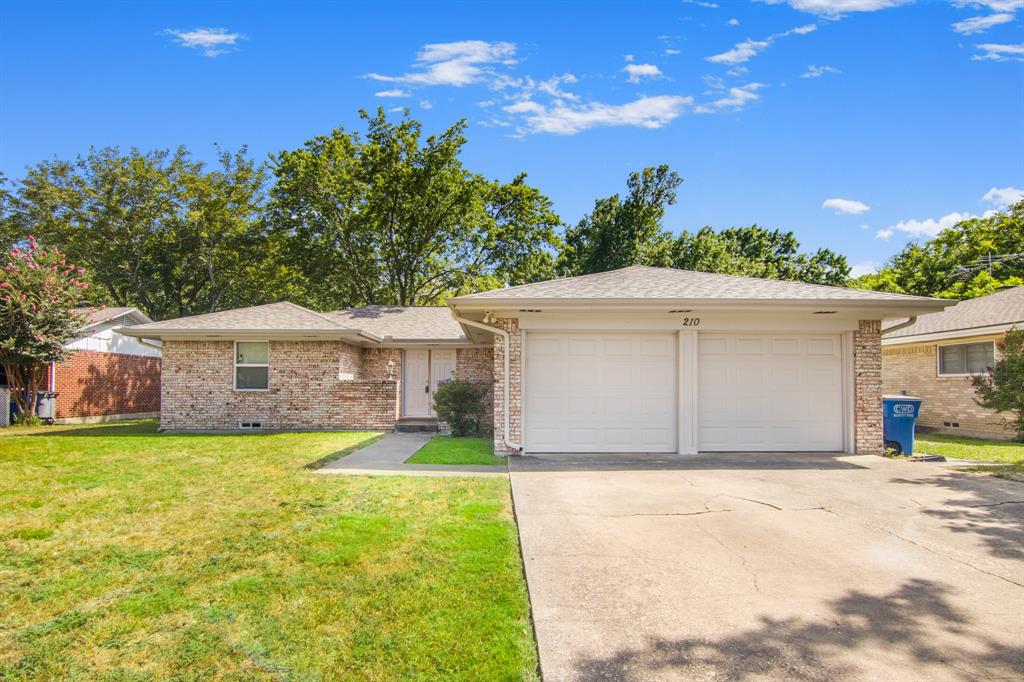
column 640, row 359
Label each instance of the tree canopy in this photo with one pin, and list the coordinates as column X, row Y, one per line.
column 975, row 257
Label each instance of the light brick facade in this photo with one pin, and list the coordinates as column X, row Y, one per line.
column 476, row 365
column 305, row 391
column 949, row 404
column 515, row 385
column 867, row 377
column 95, row 384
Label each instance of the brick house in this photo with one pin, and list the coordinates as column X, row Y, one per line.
column 110, row 375
column 935, row 357
column 639, row 359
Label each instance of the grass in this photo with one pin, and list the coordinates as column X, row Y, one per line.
column 126, row 554
column 961, row 447
column 452, row 450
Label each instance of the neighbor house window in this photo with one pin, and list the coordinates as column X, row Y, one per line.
column 966, row 358
column 252, row 365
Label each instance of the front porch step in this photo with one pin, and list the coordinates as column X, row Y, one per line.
column 416, row 424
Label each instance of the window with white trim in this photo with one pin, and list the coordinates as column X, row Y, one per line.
column 966, row 358
column 252, row 365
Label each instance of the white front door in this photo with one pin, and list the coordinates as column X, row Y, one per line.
column 760, row 392
column 416, row 385
column 424, row 372
column 610, row 392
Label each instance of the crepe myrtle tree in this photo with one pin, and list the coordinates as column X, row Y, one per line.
column 1001, row 387
column 39, row 290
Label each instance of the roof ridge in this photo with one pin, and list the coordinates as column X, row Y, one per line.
column 322, row 316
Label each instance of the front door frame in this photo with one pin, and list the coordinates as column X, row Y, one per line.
column 432, row 381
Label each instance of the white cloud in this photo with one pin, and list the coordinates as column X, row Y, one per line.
column 1000, row 53
column 1002, row 197
column 819, row 71
column 733, row 22
column 426, row 104
column 396, row 92
column 565, row 119
column 743, row 51
column 981, row 24
column 671, row 51
column 737, row 71
column 212, row 41
column 629, row 57
column 834, row 9
column 928, row 227
column 700, row 3
column 458, row 63
column 846, row 206
column 552, row 87
column 863, row 268
column 637, row 72
column 994, row 5
column 737, row 98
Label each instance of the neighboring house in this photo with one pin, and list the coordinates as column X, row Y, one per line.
column 935, row 357
column 110, row 375
column 639, row 359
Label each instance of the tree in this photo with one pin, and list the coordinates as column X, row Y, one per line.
column 158, row 229
column 391, row 218
column 975, row 257
column 621, row 232
column 39, row 290
column 756, row 252
column 1001, row 388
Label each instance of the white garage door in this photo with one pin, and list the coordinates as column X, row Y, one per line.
column 600, row 393
column 770, row 392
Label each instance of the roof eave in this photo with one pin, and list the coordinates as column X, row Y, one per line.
column 912, row 306
column 229, row 334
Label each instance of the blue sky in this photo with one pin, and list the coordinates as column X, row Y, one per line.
column 858, row 124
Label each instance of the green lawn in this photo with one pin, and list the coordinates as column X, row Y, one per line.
column 126, row 554
column 452, row 450
column 960, row 447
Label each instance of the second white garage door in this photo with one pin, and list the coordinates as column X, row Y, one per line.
column 600, row 392
column 770, row 392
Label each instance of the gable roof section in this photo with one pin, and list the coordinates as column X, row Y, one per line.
column 276, row 318
column 100, row 314
column 1002, row 308
column 412, row 323
column 644, row 282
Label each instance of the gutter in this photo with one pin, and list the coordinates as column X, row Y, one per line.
column 901, row 325
column 146, row 343
column 505, row 435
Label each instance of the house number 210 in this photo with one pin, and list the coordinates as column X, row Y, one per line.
column 691, row 321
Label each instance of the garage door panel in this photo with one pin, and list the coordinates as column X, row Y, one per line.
column 788, row 397
column 619, row 393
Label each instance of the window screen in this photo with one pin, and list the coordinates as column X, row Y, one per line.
column 966, row 358
column 252, row 371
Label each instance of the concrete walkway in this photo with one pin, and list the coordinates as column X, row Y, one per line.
column 770, row 567
column 387, row 457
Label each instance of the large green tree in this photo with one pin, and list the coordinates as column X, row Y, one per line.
column 158, row 230
column 390, row 217
column 975, row 257
column 620, row 232
column 757, row 252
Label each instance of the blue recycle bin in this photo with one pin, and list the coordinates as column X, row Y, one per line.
column 899, row 416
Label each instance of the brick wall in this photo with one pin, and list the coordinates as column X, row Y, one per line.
column 304, row 389
column 515, row 385
column 948, row 400
column 477, row 365
column 867, row 374
column 93, row 384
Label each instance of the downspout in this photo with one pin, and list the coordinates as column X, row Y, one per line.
column 149, row 345
column 506, row 430
column 901, row 325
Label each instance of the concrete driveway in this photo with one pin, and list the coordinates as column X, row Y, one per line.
column 771, row 566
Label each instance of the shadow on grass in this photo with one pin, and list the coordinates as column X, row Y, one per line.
column 334, row 456
column 112, row 430
column 917, row 622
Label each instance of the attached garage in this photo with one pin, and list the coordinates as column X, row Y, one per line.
column 770, row 392
column 600, row 392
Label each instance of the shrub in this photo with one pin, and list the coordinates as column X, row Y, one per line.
column 1001, row 388
column 459, row 404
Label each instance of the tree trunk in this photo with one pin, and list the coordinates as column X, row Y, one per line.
column 24, row 380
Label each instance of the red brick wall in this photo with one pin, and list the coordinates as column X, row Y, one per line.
column 93, row 384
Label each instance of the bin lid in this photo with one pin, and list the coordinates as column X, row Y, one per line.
column 901, row 397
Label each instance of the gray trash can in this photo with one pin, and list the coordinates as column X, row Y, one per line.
column 46, row 406
column 5, row 408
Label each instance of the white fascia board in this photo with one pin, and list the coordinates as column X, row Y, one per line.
column 951, row 334
column 169, row 334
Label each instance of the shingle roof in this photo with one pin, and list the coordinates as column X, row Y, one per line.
column 645, row 282
column 99, row 314
column 269, row 317
column 1005, row 307
column 434, row 323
